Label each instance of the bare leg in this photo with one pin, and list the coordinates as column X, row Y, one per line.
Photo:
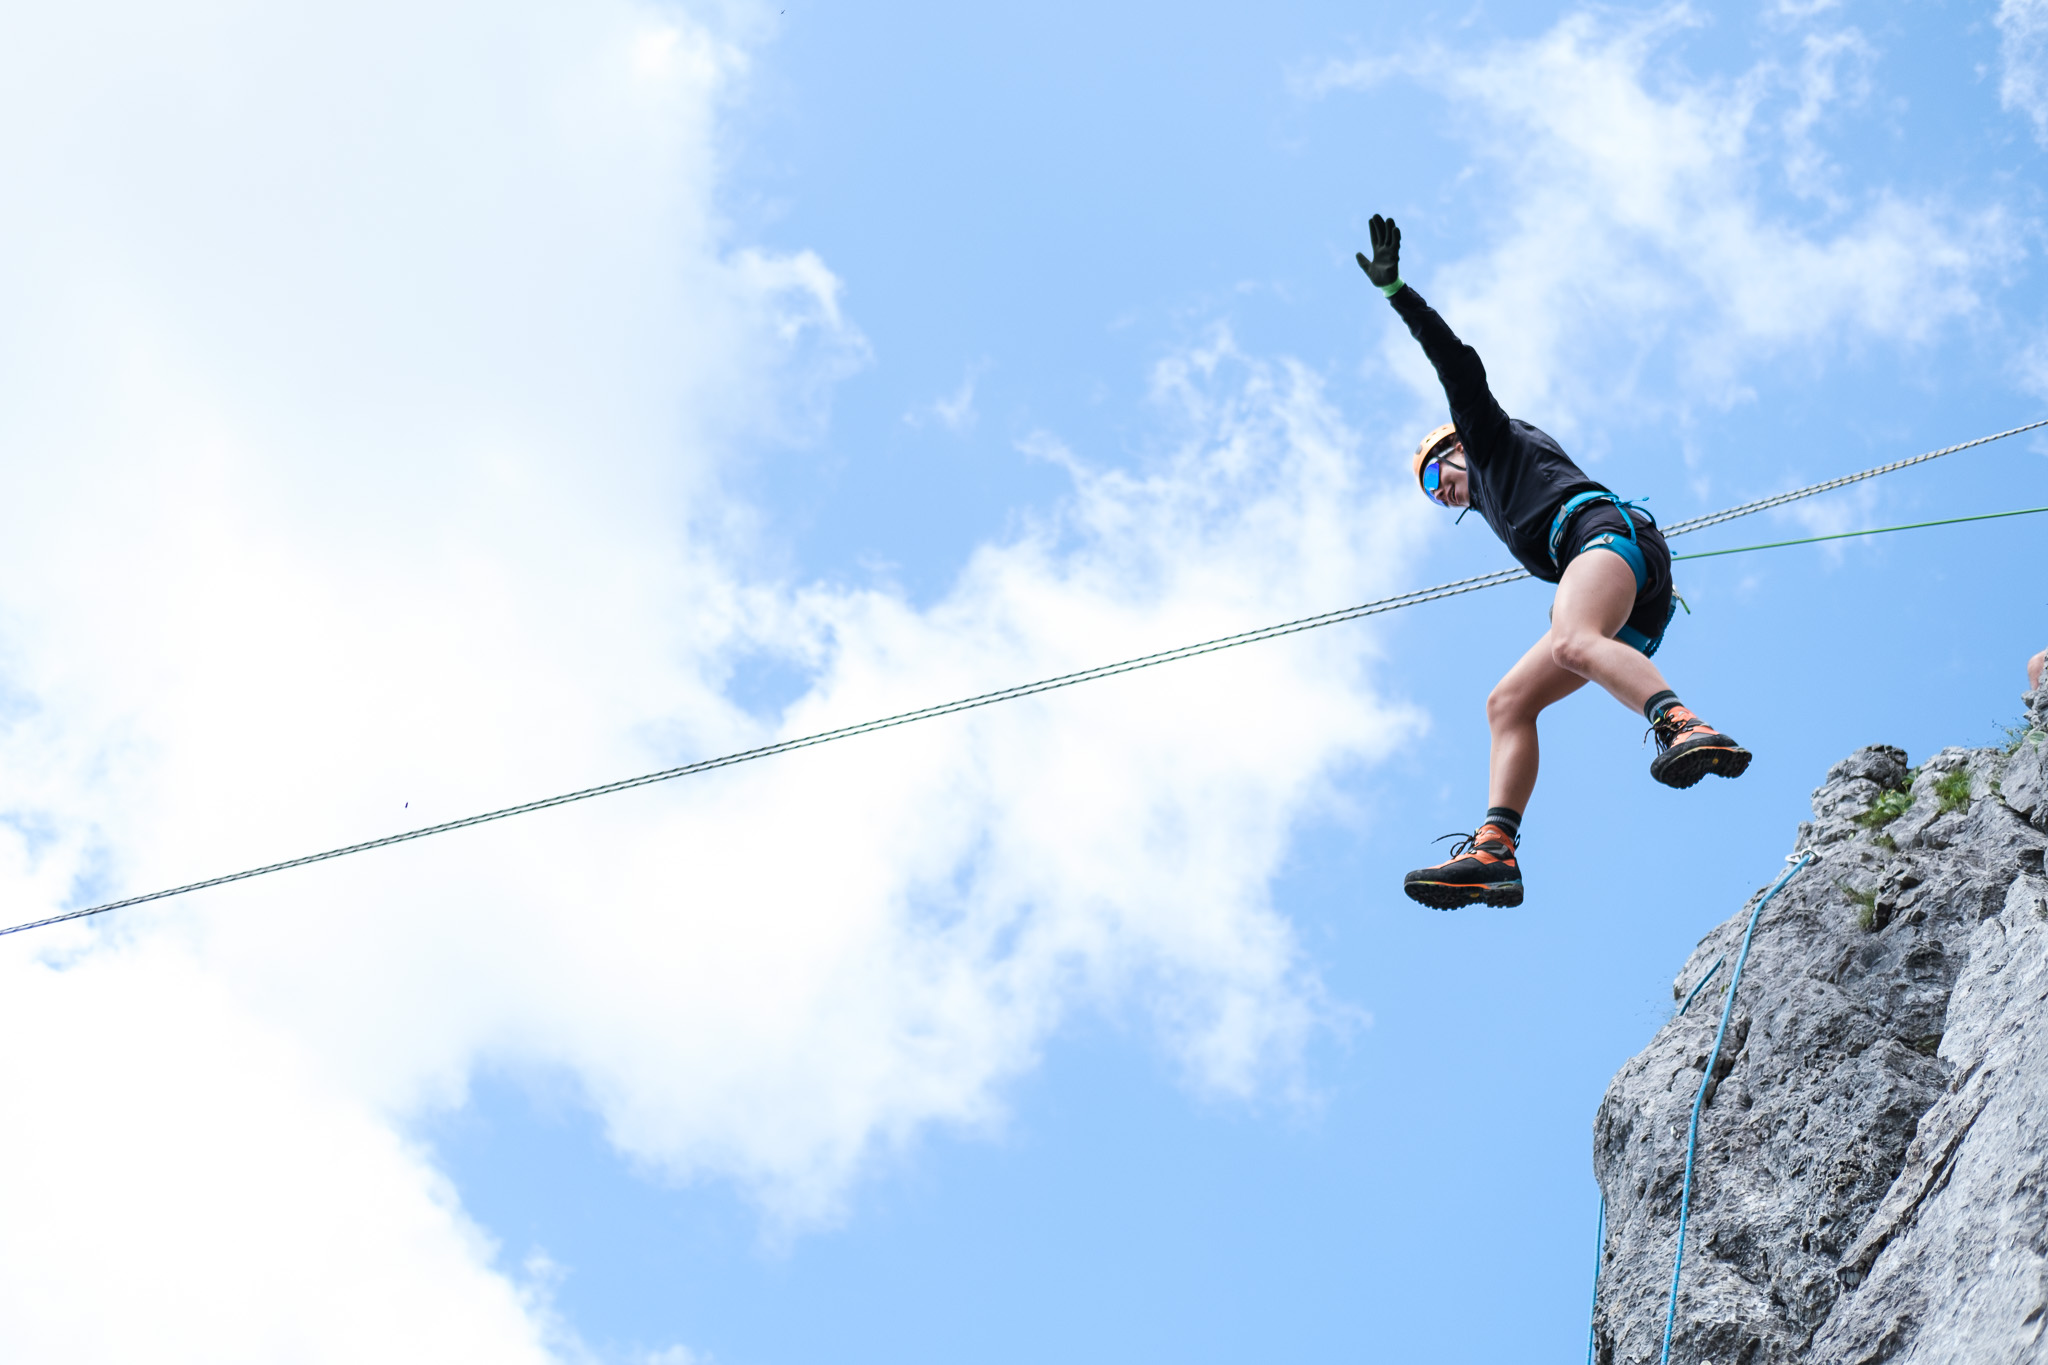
column 1532, row 684
column 1593, row 602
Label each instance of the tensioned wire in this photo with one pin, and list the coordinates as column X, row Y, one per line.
column 1868, row 531
column 1166, row 656
column 1780, row 499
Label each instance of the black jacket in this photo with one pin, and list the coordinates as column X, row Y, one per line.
column 1518, row 476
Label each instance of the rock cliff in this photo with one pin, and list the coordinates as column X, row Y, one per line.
column 1872, row 1172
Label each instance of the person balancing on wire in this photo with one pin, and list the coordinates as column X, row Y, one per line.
column 1607, row 619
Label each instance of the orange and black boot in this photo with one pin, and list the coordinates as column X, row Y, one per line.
column 1688, row 749
column 1481, row 871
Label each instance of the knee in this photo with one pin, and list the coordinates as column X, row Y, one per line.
column 1506, row 706
column 1574, row 652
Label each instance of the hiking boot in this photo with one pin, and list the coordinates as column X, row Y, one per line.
column 1688, row 749
column 1481, row 871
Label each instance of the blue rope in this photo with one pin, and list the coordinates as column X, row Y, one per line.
column 1693, row 1137
column 1702, row 984
column 1599, row 1250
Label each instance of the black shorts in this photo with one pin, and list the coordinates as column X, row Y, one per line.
column 1608, row 524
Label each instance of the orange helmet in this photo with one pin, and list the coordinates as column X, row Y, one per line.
column 1432, row 445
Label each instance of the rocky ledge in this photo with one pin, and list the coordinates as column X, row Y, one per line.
column 1872, row 1172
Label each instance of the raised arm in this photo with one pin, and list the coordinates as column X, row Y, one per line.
column 1458, row 367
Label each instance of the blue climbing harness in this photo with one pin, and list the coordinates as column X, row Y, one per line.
column 1630, row 550
column 1571, row 509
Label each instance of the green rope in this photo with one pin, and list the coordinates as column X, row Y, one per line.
column 1873, row 531
column 1385, row 604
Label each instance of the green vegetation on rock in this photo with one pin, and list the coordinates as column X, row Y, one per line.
column 1889, row 806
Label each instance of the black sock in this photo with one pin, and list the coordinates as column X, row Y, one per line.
column 1657, row 703
column 1508, row 819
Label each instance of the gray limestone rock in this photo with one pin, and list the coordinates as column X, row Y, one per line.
column 1871, row 1181
column 2023, row 782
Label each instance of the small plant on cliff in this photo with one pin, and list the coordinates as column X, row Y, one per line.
column 1954, row 790
column 1866, row 906
column 1889, row 806
column 2021, row 732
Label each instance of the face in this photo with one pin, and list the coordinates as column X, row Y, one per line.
column 1452, row 490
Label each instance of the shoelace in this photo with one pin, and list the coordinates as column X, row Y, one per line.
column 1466, row 842
column 1668, row 731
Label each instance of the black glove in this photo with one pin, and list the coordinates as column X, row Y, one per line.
column 1385, row 266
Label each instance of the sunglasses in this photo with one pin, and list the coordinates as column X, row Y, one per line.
column 1433, row 480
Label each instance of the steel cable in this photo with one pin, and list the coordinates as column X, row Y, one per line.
column 1780, row 499
column 1167, row 656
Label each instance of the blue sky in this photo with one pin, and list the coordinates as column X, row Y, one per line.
column 423, row 408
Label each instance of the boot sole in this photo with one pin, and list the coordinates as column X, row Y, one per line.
column 1683, row 767
column 1456, row 895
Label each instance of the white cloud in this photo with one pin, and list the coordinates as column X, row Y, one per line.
column 2023, row 52
column 1797, row 10
column 365, row 404
column 1315, row 79
column 182, row 1184
column 674, row 1355
column 2031, row 366
column 1834, row 70
column 772, row 971
column 955, row 412
column 1636, row 211
column 1629, row 219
